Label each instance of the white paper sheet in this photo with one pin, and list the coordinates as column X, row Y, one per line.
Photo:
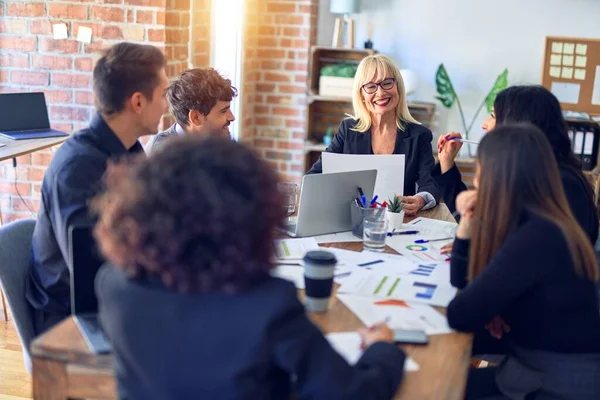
column 566, row 92
column 295, row 274
column 401, row 314
column 294, row 249
column 339, row 237
column 596, row 89
column 390, row 170
column 347, row 345
column 432, row 228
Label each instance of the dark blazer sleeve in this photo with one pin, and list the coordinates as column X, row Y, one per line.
column 321, row 373
column 336, row 146
column 581, row 201
column 450, row 185
column 425, row 182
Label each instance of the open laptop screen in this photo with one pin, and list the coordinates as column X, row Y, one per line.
column 23, row 111
column 85, row 261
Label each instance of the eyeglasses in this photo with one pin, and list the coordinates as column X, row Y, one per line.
column 385, row 84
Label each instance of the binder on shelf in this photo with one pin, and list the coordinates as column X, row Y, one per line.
column 585, row 139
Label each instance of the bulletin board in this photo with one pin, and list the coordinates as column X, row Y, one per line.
column 571, row 71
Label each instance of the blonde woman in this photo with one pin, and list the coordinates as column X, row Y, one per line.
column 382, row 124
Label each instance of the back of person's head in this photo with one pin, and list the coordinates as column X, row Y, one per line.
column 123, row 70
column 198, row 214
column 198, row 89
column 517, row 174
column 537, row 105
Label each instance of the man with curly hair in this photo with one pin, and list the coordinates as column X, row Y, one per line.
column 200, row 100
column 130, row 85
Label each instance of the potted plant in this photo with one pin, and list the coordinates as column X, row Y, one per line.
column 396, row 212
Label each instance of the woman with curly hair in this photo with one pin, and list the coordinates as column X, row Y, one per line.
column 187, row 299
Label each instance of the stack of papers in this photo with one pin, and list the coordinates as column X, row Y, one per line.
column 294, row 249
column 347, row 345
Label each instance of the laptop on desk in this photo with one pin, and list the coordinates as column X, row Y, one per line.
column 85, row 262
column 25, row 116
column 324, row 205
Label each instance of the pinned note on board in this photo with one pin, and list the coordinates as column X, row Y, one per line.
column 581, row 49
column 568, row 48
column 579, row 74
column 567, row 73
column 555, row 72
column 59, row 31
column 84, row 34
column 581, row 61
column 555, row 59
column 567, row 60
column 557, row 47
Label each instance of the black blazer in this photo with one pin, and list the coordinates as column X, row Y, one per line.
column 414, row 142
column 258, row 344
column 578, row 195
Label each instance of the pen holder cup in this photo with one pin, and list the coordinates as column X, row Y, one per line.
column 359, row 214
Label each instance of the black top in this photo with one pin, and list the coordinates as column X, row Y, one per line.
column 414, row 142
column 580, row 199
column 532, row 285
column 251, row 345
column 72, row 179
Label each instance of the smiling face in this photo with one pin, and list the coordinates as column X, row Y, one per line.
column 380, row 95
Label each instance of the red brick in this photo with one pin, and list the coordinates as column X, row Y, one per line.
column 265, row 87
column 9, row 187
column 56, row 46
column 40, row 61
column 199, row 31
column 17, row 43
column 290, row 145
column 26, row 204
column 25, row 9
column 267, row 42
column 68, row 11
column 287, row 111
column 71, row 80
column 172, row 19
column 261, row 109
column 108, row 14
column 95, row 27
column 294, row 123
column 292, row 66
column 57, row 96
column 287, row 19
column 129, row 16
column 84, row 64
column 95, row 47
column 62, row 113
column 182, row 5
column 84, row 98
column 144, row 17
column 281, row 7
column 201, row 46
column 280, row 100
column 292, row 89
column 147, row 3
column 42, row 159
column 40, row 27
column 133, row 33
column 14, row 60
column 160, row 17
column 29, row 78
column 156, row 35
column 178, row 35
column 277, row 77
column 268, row 143
column 271, row 53
column 294, row 32
column 111, row 32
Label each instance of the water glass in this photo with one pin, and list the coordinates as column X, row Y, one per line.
column 289, row 193
column 374, row 234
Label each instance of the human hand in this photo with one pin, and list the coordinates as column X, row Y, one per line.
column 448, row 150
column 466, row 202
column 412, row 204
column 447, row 248
column 377, row 333
column 497, row 327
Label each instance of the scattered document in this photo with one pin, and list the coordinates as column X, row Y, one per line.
column 566, row 92
column 294, row 249
column 84, row 34
column 295, row 274
column 390, row 170
column 433, row 228
column 401, row 314
column 347, row 345
column 59, row 31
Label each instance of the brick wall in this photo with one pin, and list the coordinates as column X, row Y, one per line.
column 31, row 60
column 277, row 43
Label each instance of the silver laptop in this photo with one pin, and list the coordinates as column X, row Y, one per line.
column 85, row 263
column 25, row 116
column 325, row 199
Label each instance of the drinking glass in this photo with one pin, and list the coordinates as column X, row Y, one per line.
column 374, row 234
column 289, row 192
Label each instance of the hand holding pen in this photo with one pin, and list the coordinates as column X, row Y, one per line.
column 448, row 148
column 379, row 332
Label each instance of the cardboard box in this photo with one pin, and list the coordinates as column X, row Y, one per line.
column 335, row 86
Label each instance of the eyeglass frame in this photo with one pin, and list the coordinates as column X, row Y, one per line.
column 379, row 85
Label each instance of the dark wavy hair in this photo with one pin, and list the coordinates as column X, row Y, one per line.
column 537, row 105
column 198, row 214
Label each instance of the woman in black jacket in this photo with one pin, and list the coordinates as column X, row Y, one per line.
column 382, row 124
column 188, row 302
column 536, row 105
column 521, row 258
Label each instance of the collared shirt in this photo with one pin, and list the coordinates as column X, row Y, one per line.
column 158, row 139
column 73, row 178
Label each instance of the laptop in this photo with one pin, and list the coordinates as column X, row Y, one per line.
column 25, row 116
column 85, row 261
column 324, row 205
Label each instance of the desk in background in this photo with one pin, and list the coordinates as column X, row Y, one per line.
column 63, row 366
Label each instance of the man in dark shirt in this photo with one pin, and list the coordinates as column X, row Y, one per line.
column 130, row 86
column 200, row 101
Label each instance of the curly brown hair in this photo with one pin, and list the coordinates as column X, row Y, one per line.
column 198, row 89
column 199, row 214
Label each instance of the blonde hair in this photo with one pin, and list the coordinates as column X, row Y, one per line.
column 370, row 68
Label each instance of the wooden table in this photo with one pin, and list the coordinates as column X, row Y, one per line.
column 63, row 366
column 16, row 148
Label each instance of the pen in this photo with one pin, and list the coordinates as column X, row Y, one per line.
column 360, row 191
column 403, row 233
column 374, row 200
column 463, row 140
column 364, row 199
column 384, row 204
column 432, row 240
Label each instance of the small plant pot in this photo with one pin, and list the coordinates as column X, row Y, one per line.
column 395, row 219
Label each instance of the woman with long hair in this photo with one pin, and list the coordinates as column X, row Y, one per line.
column 536, row 105
column 187, row 299
column 382, row 124
column 521, row 256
